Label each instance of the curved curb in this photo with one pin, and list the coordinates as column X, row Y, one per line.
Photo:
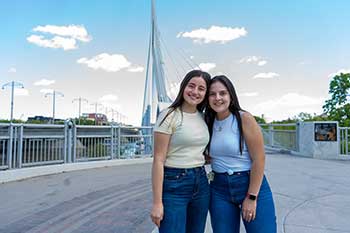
column 25, row 173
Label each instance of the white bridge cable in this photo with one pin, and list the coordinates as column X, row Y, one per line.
column 146, row 97
column 171, row 58
column 178, row 76
column 183, row 56
column 194, row 65
column 162, row 43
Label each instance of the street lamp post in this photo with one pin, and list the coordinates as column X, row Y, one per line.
column 113, row 111
column 80, row 100
column 96, row 104
column 118, row 117
column 54, row 94
column 12, row 84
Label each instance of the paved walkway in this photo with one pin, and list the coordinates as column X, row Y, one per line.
column 311, row 196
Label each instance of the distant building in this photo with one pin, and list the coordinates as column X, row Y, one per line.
column 101, row 119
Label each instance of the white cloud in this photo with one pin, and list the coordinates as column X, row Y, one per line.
column 136, row 69
column 44, row 82
column 249, row 59
column 77, row 32
column 266, row 75
column 214, row 34
column 344, row 71
column 56, row 42
column 254, row 60
column 107, row 62
column 21, row 92
column 206, row 66
column 109, row 97
column 12, row 70
column 45, row 91
column 288, row 105
column 192, row 57
column 250, row 94
column 65, row 37
column 262, row 63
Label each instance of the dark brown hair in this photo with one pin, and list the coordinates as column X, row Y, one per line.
column 234, row 108
column 180, row 99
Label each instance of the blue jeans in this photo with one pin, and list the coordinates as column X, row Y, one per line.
column 186, row 197
column 227, row 195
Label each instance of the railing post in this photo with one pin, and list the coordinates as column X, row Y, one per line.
column 297, row 136
column 20, row 147
column 70, row 139
column 119, row 141
column 9, row 147
column 14, row 153
column 112, row 141
column 74, row 136
column 65, row 146
column 346, row 141
column 271, row 135
column 152, row 142
column 67, row 142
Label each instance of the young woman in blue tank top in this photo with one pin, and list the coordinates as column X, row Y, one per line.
column 236, row 149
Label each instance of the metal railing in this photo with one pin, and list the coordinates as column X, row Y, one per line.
column 344, row 136
column 26, row 145
column 4, row 144
column 283, row 136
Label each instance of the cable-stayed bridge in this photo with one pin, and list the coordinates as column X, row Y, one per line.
column 163, row 73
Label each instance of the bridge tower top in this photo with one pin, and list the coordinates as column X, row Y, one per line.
column 155, row 92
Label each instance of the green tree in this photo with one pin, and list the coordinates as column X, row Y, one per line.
column 304, row 116
column 338, row 107
column 84, row 121
column 13, row 121
column 260, row 120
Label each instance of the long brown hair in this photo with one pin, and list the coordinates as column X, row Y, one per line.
column 180, row 99
column 234, row 108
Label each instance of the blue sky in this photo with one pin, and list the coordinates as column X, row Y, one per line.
column 281, row 66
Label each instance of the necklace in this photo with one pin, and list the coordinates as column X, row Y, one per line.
column 219, row 125
column 218, row 128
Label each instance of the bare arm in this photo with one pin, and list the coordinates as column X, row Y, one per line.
column 161, row 143
column 255, row 143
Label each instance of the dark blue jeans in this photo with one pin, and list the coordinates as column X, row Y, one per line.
column 186, row 197
column 227, row 195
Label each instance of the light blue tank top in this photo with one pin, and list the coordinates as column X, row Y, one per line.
column 224, row 147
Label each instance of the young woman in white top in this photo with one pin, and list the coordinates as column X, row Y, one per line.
column 180, row 186
column 236, row 148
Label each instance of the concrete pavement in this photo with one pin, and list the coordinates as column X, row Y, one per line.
column 311, row 196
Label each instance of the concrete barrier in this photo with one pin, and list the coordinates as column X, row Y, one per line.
column 25, row 173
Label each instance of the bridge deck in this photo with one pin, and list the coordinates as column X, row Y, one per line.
column 310, row 195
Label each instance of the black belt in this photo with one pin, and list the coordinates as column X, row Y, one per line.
column 196, row 169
